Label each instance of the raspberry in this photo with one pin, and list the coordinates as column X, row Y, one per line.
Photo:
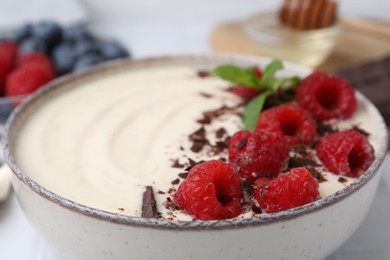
column 27, row 79
column 34, row 57
column 258, row 72
column 289, row 190
column 291, row 121
column 326, row 96
column 245, row 92
column 345, row 153
column 257, row 154
column 10, row 48
column 212, row 190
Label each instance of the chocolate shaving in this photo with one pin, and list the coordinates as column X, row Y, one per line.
column 342, row 179
column 160, row 192
column 325, row 128
column 197, row 146
column 205, row 120
column 171, row 190
column 198, row 135
column 301, row 162
column 170, row 205
column 256, row 209
column 358, row 129
column 203, row 73
column 220, row 133
column 242, row 143
column 192, row 163
column 175, row 181
column 316, row 174
column 149, row 206
column 199, row 140
column 206, row 95
column 301, row 150
column 219, row 147
column 183, row 175
column 176, row 164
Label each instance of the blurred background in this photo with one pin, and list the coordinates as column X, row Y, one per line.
column 152, row 27
column 358, row 49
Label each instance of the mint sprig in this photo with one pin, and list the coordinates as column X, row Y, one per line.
column 252, row 110
column 242, row 76
column 268, row 84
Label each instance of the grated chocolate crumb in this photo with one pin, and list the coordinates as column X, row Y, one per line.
column 342, row 179
column 176, row 164
column 316, row 174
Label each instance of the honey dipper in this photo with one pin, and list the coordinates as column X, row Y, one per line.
column 308, row 14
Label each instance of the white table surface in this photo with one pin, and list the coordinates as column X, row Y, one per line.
column 148, row 33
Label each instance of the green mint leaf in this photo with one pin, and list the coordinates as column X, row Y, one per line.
column 275, row 84
column 253, row 109
column 270, row 71
column 242, row 76
column 294, row 81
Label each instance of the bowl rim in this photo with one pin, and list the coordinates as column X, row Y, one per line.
column 235, row 223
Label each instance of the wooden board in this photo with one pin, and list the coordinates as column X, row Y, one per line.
column 360, row 41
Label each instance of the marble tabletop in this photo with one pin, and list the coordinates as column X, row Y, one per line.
column 184, row 29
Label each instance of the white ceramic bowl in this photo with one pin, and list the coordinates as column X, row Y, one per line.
column 312, row 231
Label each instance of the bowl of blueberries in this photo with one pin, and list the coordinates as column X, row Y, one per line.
column 37, row 53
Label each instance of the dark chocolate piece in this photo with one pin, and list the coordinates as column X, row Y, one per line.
column 149, row 206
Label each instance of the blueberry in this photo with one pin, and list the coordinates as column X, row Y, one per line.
column 86, row 46
column 49, row 31
column 5, row 111
column 87, row 60
column 76, row 33
column 113, row 50
column 23, row 32
column 33, row 44
column 63, row 56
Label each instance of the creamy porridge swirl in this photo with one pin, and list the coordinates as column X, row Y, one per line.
column 100, row 144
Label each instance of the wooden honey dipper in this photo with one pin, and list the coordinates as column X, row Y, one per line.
column 308, row 14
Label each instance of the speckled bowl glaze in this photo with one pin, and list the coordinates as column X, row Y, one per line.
column 312, row 231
